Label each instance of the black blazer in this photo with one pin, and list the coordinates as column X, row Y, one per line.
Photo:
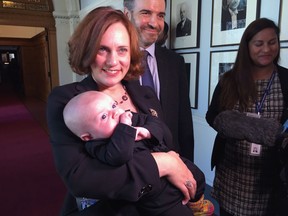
column 174, row 98
column 87, row 177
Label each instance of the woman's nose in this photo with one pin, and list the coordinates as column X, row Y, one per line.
column 266, row 47
column 112, row 59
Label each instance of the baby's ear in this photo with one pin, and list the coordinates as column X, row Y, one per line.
column 86, row 137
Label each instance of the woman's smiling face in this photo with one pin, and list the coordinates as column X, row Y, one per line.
column 112, row 61
column 264, row 47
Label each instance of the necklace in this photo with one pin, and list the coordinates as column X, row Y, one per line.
column 124, row 97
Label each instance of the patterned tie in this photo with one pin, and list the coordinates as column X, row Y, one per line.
column 147, row 79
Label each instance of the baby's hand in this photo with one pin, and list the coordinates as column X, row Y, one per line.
column 142, row 133
column 126, row 118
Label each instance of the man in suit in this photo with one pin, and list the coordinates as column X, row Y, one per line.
column 184, row 26
column 168, row 72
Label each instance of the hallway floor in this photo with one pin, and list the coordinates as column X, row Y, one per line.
column 29, row 181
column 37, row 109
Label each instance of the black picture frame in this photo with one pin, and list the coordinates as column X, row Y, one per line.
column 220, row 62
column 283, row 60
column 192, row 70
column 188, row 37
column 230, row 21
column 283, row 20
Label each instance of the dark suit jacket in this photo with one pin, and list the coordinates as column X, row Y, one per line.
column 186, row 30
column 174, row 98
column 84, row 176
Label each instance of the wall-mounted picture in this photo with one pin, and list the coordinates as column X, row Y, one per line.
column 4, row 58
column 220, row 62
column 283, row 61
column 283, row 20
column 230, row 18
column 184, row 24
column 192, row 70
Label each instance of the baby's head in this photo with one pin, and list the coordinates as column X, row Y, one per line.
column 92, row 115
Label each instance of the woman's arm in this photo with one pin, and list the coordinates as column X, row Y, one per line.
column 172, row 167
column 213, row 109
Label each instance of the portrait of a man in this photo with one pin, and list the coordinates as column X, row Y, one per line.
column 233, row 14
column 184, row 26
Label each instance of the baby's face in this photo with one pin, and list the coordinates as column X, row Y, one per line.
column 106, row 115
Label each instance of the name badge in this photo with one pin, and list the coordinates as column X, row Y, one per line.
column 255, row 149
column 254, row 115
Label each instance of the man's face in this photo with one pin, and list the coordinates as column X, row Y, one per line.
column 148, row 18
column 182, row 13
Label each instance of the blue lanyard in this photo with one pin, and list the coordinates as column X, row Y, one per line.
column 285, row 126
column 260, row 105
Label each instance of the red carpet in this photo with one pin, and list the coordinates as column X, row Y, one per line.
column 29, row 184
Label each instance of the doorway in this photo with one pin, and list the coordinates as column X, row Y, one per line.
column 25, row 65
column 33, row 42
column 10, row 68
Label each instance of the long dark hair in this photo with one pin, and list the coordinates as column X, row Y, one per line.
column 238, row 84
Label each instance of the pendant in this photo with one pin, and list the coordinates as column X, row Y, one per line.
column 124, row 97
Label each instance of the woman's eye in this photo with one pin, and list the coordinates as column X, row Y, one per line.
column 102, row 50
column 122, row 51
column 114, row 105
column 104, row 116
column 258, row 44
column 272, row 42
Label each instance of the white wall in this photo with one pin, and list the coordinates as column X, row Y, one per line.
column 204, row 135
column 88, row 5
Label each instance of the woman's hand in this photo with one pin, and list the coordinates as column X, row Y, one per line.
column 173, row 168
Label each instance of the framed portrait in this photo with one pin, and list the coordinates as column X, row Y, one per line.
column 184, row 23
column 283, row 20
column 230, row 18
column 192, row 70
column 220, row 62
column 283, row 60
column 4, row 58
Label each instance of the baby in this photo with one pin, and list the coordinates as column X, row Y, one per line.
column 114, row 135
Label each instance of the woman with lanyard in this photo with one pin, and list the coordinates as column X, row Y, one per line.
column 247, row 173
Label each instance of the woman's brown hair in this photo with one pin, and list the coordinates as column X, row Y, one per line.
column 85, row 41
